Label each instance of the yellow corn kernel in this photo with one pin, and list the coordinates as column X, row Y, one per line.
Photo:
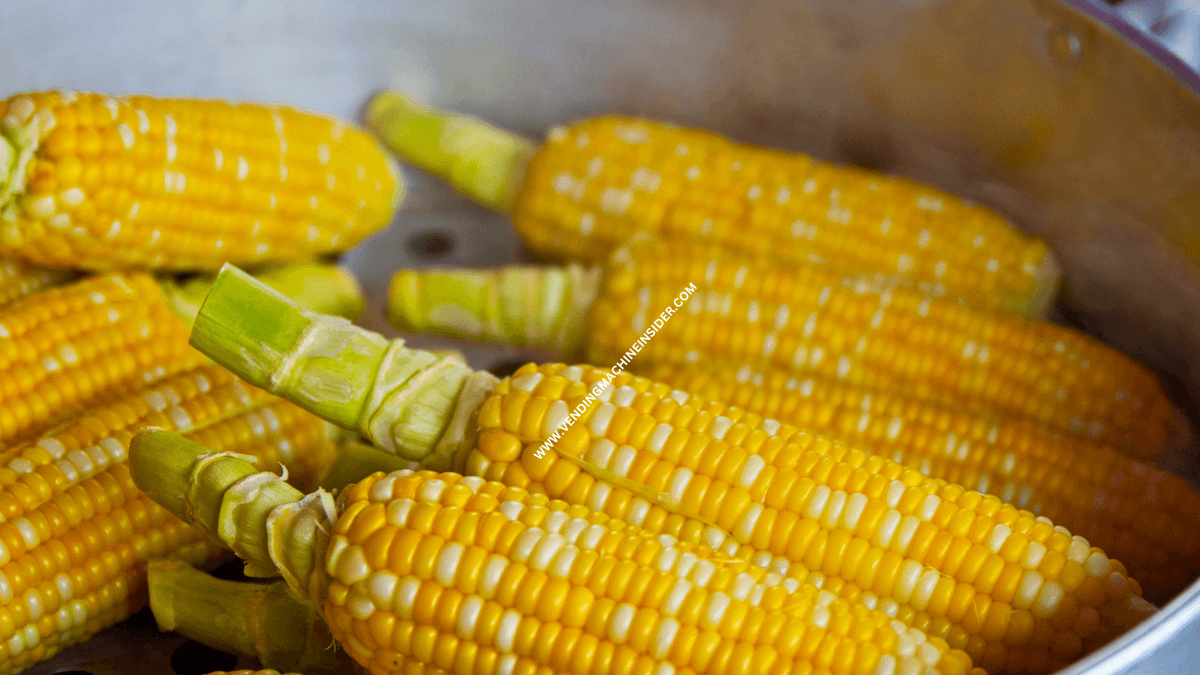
column 105, row 182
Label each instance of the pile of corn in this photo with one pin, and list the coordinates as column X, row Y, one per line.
column 858, row 450
column 101, row 197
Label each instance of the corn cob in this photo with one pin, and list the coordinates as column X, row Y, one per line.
column 808, row 321
column 69, row 347
column 75, row 531
column 598, row 182
column 18, row 279
column 266, row 671
column 435, row 573
column 102, row 182
column 1016, row 592
column 1139, row 514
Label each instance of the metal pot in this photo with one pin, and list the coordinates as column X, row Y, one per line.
column 1056, row 113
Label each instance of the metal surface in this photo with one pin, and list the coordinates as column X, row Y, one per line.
column 1174, row 23
column 1081, row 129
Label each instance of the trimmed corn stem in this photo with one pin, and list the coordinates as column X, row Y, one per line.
column 226, row 496
column 329, row 289
column 403, row 400
column 356, row 461
column 485, row 162
column 529, row 306
column 261, row 620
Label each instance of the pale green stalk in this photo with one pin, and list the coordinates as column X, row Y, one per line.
column 272, row 526
column 266, row 621
column 482, row 161
column 7, row 156
column 1047, row 282
column 409, row 402
column 521, row 305
column 358, row 460
column 20, row 131
column 329, row 289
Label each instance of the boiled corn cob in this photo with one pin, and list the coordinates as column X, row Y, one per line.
column 1013, row 590
column 1138, row 513
column 18, row 279
column 436, row 572
column 265, row 671
column 808, row 321
column 76, row 532
column 68, row 347
column 598, row 182
column 102, row 182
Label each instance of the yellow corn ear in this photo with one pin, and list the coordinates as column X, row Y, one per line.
column 104, row 182
column 1144, row 516
column 1010, row 588
column 596, row 183
column 659, row 302
column 483, row 577
column 868, row 332
column 599, row 181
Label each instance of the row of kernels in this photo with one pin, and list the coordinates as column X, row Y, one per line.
column 100, row 437
column 118, row 542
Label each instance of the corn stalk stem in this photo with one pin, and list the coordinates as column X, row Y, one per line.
column 408, row 402
column 484, row 162
column 521, row 305
column 266, row 621
column 19, row 136
column 329, row 289
column 357, row 460
column 221, row 493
